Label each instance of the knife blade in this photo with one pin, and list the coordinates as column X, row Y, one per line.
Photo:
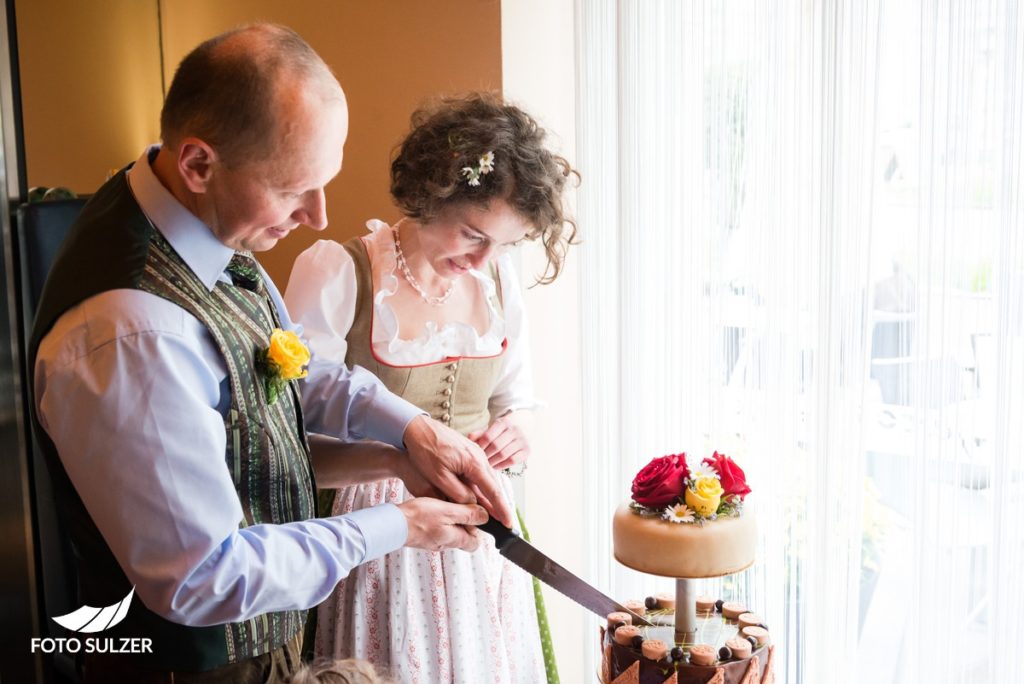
column 524, row 554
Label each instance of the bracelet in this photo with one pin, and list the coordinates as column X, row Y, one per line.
column 516, row 473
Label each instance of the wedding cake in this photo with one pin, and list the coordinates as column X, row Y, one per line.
column 687, row 520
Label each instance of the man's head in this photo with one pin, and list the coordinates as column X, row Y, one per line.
column 253, row 128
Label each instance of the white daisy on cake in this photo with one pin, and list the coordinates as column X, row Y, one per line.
column 701, row 470
column 679, row 513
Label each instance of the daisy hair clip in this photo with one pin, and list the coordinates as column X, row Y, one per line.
column 484, row 166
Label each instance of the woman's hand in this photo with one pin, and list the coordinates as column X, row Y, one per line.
column 504, row 442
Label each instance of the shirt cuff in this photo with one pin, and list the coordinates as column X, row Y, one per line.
column 383, row 527
column 391, row 415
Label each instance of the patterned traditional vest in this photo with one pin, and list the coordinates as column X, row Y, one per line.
column 114, row 246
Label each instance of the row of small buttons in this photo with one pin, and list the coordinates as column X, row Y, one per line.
column 446, row 418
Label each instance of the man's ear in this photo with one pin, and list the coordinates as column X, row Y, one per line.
column 196, row 162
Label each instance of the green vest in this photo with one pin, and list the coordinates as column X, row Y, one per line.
column 114, row 246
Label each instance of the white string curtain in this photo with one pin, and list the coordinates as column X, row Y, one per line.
column 803, row 247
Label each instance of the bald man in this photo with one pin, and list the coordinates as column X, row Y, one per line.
column 177, row 471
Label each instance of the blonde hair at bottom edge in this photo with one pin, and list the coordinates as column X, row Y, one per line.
column 349, row 671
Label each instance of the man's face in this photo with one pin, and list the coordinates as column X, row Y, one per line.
column 253, row 205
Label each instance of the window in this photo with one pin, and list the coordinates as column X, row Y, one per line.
column 803, row 247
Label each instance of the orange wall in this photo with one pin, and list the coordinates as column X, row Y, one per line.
column 90, row 86
column 92, row 82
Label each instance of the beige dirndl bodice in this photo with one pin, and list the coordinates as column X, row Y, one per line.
column 453, row 390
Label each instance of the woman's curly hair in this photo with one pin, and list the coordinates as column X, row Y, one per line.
column 427, row 174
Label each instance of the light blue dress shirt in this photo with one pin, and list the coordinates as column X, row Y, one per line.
column 131, row 389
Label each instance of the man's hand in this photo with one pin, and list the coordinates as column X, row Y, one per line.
column 455, row 465
column 435, row 525
column 504, row 442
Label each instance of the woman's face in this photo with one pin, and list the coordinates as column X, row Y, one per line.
column 467, row 237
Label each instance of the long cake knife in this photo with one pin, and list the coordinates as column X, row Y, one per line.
column 525, row 555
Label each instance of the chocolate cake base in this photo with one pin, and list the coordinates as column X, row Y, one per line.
column 626, row 665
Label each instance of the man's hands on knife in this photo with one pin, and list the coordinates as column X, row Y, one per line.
column 455, row 466
column 435, row 525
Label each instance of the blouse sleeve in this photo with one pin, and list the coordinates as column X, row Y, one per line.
column 321, row 299
column 514, row 390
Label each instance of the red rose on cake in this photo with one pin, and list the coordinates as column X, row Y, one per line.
column 661, row 481
column 732, row 477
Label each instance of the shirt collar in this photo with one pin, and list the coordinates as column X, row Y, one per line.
column 192, row 239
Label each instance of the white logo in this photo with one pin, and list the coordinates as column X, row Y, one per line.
column 90, row 620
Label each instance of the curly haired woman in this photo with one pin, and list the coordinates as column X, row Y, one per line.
column 432, row 305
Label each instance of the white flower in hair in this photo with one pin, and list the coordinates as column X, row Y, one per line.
column 484, row 166
column 472, row 174
column 487, row 162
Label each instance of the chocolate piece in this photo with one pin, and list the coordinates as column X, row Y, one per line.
column 655, row 649
column 768, row 676
column 705, row 604
column 759, row 634
column 748, row 620
column 638, row 641
column 702, row 654
column 733, row 609
column 753, row 674
column 630, row 676
column 740, row 648
column 666, row 601
column 624, row 635
column 615, row 618
column 635, row 606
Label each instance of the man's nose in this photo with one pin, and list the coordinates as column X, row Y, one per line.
column 313, row 211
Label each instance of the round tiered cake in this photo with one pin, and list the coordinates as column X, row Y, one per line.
column 687, row 520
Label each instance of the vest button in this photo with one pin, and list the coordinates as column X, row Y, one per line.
column 446, row 404
column 450, row 378
column 446, row 418
column 453, row 366
column 447, row 391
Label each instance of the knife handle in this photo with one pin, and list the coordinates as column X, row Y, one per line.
column 502, row 535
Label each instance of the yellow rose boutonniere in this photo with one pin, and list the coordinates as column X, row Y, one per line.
column 283, row 361
column 704, row 496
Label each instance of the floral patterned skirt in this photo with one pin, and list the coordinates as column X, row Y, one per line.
column 433, row 617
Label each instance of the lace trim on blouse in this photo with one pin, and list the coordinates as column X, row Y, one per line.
column 452, row 339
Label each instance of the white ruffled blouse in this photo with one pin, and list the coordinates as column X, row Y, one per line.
column 321, row 297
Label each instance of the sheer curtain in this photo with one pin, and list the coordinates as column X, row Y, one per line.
column 804, row 246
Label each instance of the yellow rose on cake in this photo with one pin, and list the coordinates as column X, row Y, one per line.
column 704, row 496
